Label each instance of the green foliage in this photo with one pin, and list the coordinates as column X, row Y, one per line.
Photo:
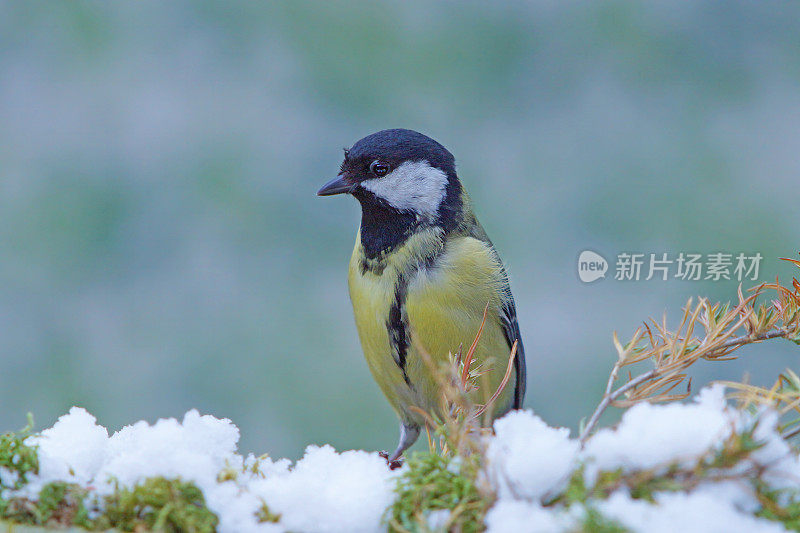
column 18, row 457
column 716, row 465
column 734, row 450
column 436, row 482
column 594, row 522
column 59, row 504
column 577, row 491
column 779, row 505
column 158, row 504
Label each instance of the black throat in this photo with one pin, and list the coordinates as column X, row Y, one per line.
column 383, row 227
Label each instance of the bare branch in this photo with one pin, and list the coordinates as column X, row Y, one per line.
column 672, row 352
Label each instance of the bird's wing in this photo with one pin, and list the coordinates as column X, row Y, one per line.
column 508, row 319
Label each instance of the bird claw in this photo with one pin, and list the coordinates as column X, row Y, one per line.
column 393, row 465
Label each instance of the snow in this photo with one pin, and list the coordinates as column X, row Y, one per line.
column 194, row 450
column 324, row 491
column 327, row 491
column 73, row 449
column 652, row 435
column 529, row 459
column 8, row 477
column 519, row 516
column 527, row 464
column 782, row 466
column 437, row 520
column 687, row 513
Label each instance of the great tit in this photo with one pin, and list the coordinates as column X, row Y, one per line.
column 422, row 274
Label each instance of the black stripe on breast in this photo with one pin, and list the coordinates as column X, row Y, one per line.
column 397, row 327
column 397, row 324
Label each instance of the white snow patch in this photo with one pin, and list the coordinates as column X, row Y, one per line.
column 324, row 491
column 782, row 465
column 528, row 462
column 74, row 449
column 687, row 513
column 330, row 492
column 652, row 435
column 518, row 516
column 437, row 520
column 8, row 478
column 194, row 450
column 528, row 458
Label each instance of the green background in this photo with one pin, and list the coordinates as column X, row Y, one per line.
column 162, row 248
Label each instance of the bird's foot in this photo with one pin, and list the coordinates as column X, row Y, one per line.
column 393, row 465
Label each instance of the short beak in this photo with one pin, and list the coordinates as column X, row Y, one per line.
column 338, row 185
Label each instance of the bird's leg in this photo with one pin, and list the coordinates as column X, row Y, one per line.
column 408, row 436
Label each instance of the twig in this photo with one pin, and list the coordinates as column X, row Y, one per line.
column 610, row 397
column 792, row 433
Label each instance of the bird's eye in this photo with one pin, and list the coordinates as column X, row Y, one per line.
column 379, row 169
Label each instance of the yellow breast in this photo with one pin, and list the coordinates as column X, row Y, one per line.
column 444, row 301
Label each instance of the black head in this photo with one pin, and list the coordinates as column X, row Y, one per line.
column 403, row 169
column 395, row 147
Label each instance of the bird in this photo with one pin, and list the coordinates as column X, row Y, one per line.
column 422, row 276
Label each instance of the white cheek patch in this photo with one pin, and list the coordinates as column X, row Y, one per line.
column 413, row 186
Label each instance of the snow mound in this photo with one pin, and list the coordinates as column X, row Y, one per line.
column 324, row 491
column 327, row 491
column 528, row 466
column 529, row 459
column 74, row 449
column 650, row 435
column 687, row 513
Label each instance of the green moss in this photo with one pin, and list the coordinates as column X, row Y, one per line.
column 59, row 504
column 594, row 522
column 434, row 482
column 18, row 457
column 577, row 491
column 158, row 504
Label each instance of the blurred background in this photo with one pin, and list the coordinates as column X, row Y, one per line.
column 162, row 248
